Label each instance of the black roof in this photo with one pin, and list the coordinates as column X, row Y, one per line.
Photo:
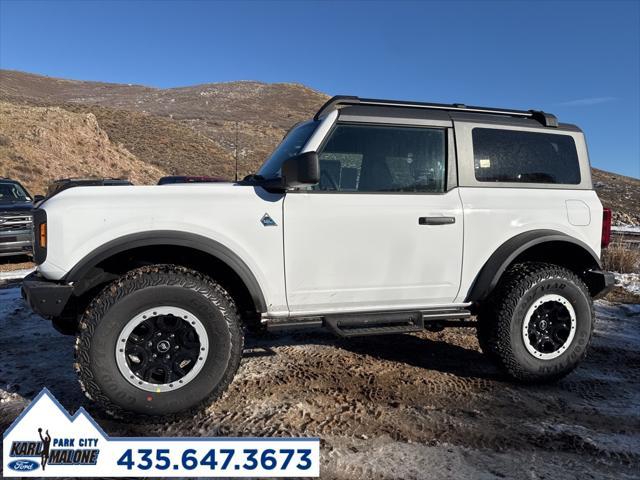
column 542, row 118
column 11, row 180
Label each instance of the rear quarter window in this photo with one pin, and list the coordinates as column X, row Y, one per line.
column 524, row 157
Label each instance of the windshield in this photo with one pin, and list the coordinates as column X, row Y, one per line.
column 11, row 192
column 291, row 145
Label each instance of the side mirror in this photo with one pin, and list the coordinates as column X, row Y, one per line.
column 302, row 169
column 38, row 198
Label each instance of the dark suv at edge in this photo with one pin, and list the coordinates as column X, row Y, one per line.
column 15, row 218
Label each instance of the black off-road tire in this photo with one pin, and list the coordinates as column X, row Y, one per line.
column 501, row 318
column 485, row 329
column 148, row 287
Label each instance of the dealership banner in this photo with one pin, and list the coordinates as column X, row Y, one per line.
column 45, row 441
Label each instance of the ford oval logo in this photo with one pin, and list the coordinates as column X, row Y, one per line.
column 23, row 465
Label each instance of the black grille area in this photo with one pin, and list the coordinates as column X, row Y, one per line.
column 15, row 222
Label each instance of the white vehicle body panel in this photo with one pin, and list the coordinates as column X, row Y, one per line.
column 350, row 252
column 494, row 215
column 82, row 219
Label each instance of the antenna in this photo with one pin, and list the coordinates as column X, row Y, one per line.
column 236, row 151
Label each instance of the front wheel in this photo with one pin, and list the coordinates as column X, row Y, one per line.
column 538, row 323
column 161, row 340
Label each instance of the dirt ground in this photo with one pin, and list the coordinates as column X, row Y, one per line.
column 8, row 264
column 428, row 405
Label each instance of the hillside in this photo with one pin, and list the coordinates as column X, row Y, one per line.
column 40, row 144
column 278, row 104
column 192, row 130
column 621, row 194
column 169, row 145
column 260, row 113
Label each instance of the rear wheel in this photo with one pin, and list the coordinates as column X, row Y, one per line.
column 161, row 340
column 538, row 323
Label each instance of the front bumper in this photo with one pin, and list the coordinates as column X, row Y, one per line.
column 15, row 244
column 45, row 297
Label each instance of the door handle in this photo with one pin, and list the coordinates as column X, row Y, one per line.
column 436, row 220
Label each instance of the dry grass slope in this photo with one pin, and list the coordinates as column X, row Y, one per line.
column 40, row 144
column 278, row 104
column 619, row 193
column 169, row 145
column 188, row 130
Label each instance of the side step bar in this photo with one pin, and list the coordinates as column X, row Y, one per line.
column 436, row 321
column 362, row 324
column 446, row 314
column 374, row 324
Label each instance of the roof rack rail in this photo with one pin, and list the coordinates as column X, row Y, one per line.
column 546, row 119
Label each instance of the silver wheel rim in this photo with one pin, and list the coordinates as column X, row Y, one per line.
column 123, row 356
column 530, row 325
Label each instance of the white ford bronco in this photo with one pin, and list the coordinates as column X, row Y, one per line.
column 374, row 217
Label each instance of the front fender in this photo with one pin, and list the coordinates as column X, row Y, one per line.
column 168, row 237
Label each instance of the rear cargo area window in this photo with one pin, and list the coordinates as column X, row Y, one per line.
column 524, row 157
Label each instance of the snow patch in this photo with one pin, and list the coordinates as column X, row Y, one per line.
column 16, row 274
column 629, row 281
column 626, row 229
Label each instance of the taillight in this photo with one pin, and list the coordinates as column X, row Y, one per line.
column 606, row 228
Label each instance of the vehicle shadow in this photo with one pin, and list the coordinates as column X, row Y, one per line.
column 413, row 350
column 15, row 262
column 15, row 259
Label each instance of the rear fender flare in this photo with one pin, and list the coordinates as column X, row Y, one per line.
column 504, row 256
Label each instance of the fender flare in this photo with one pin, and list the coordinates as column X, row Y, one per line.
column 504, row 255
column 175, row 238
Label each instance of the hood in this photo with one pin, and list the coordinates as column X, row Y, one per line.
column 16, row 207
column 155, row 199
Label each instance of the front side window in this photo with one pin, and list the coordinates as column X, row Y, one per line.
column 364, row 158
column 524, row 157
